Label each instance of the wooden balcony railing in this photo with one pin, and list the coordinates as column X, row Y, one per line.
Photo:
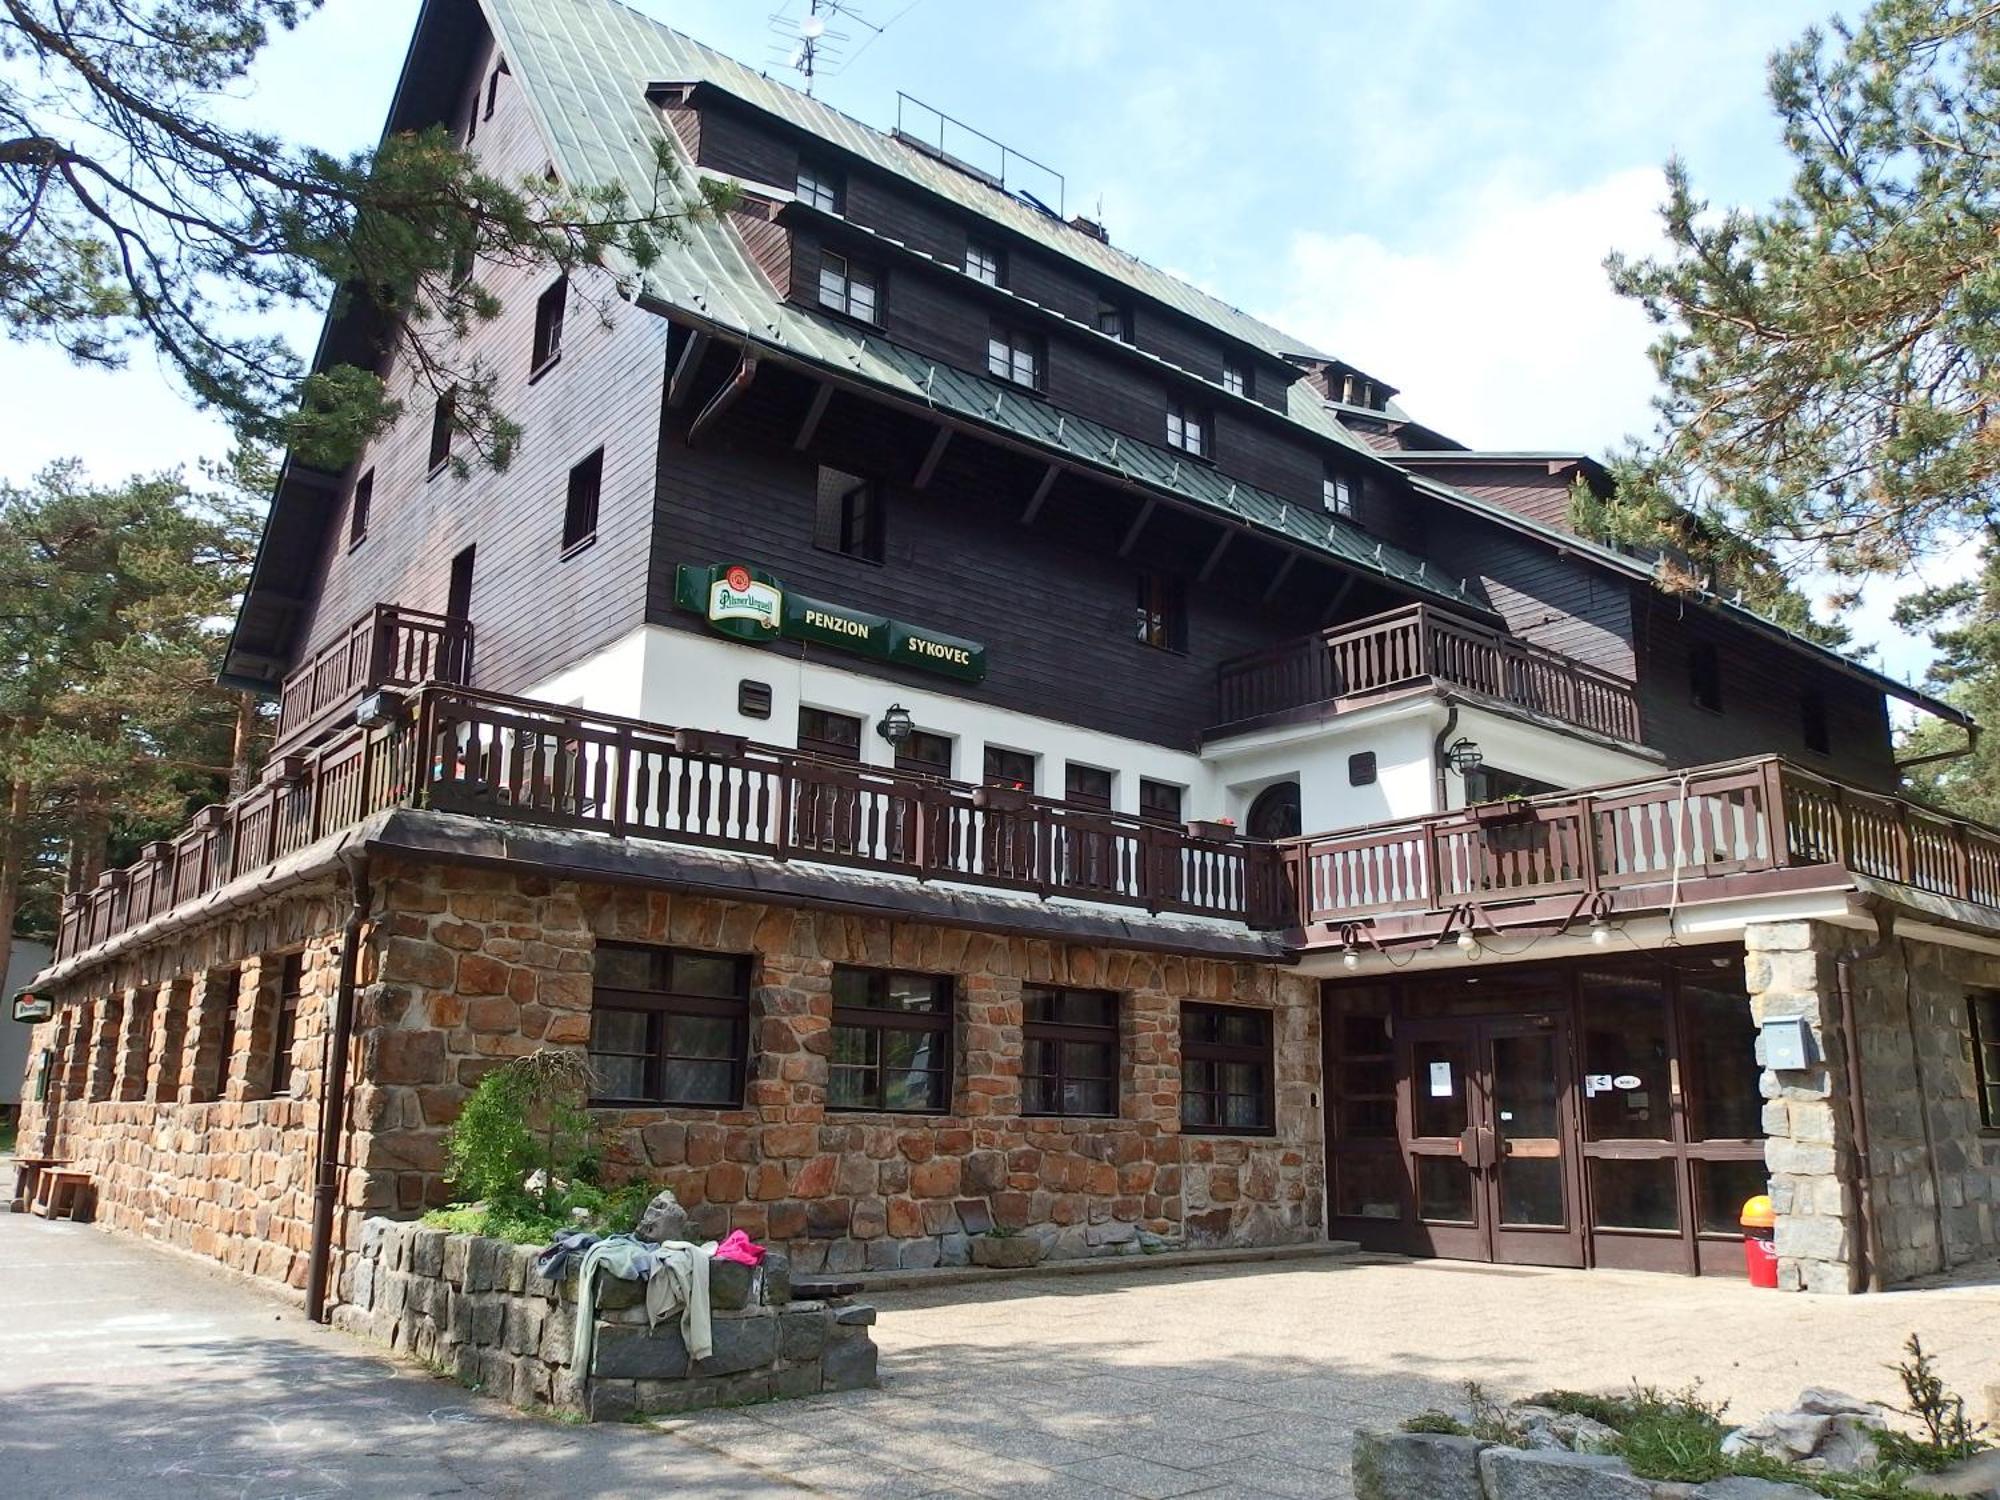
column 1415, row 644
column 1671, row 833
column 389, row 646
column 463, row 751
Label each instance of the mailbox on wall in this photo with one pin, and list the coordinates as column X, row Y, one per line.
column 1788, row 1043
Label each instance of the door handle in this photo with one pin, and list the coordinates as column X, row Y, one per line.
column 1477, row 1147
column 1489, row 1148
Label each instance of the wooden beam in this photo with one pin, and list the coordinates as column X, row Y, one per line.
column 929, row 466
column 681, row 386
column 813, row 413
column 1042, row 488
column 1138, row 525
column 1278, row 578
column 1339, row 598
column 1215, row 555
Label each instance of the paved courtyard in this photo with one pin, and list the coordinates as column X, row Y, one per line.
column 127, row 1371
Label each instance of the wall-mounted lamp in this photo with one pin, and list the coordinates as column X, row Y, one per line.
column 1467, row 943
column 1600, row 925
column 896, row 725
column 379, row 708
column 1464, row 756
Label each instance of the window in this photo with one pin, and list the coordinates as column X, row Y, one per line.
column 1087, row 787
column 1160, row 801
column 668, row 1026
column 549, row 310
column 823, row 732
column 1162, row 612
column 845, row 287
column 1187, row 429
column 1014, row 355
column 1336, row 494
column 1275, row 813
column 1069, row 1052
column 819, row 186
column 982, row 262
column 924, row 754
column 357, row 512
column 1812, row 722
column 443, row 416
column 1983, row 1012
column 891, row 1041
column 458, row 593
column 225, row 987
column 493, row 89
column 580, row 511
column 1010, row 768
column 1491, row 784
column 850, row 516
column 1705, row 677
column 1115, row 319
column 1226, row 1071
column 1235, row 379
column 285, row 1023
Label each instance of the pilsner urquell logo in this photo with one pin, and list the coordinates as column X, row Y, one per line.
column 737, row 596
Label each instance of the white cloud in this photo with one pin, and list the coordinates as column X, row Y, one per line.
column 1499, row 327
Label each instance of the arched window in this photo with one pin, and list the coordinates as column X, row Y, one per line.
column 1275, row 813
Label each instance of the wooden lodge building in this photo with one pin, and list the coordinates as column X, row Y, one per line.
column 969, row 730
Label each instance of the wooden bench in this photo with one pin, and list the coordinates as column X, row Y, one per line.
column 26, row 1170
column 62, row 1193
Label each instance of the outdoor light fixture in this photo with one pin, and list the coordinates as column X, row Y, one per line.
column 896, row 725
column 378, row 709
column 1600, row 932
column 1467, row 943
column 1350, row 959
column 1463, row 756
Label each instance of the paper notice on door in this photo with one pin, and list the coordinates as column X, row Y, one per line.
column 1440, row 1080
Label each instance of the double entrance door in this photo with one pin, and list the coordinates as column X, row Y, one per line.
column 1491, row 1138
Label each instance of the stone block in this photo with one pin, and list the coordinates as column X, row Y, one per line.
column 746, row 1343
column 777, row 1277
column 730, row 1285
column 558, row 1333
column 489, row 1317
column 1737, row 1487
column 612, row 1400
column 480, row 1257
column 849, row 1365
column 427, row 1251
column 859, row 1315
column 457, row 1248
column 801, row 1336
column 1405, row 1465
column 796, row 1380
column 1520, row 1474
column 639, row 1354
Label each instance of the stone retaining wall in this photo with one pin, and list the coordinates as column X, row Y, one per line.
column 477, row 1309
column 1432, row 1466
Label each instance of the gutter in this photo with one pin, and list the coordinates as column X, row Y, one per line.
column 1859, row 1191
column 333, row 1088
column 1971, row 744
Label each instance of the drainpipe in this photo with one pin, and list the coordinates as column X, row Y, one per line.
column 333, row 1090
column 1861, row 1190
column 1437, row 755
column 1923, row 1103
column 722, row 400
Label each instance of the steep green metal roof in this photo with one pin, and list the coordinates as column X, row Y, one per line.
column 584, row 65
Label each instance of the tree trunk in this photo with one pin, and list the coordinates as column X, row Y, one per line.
column 13, row 865
column 87, row 843
column 246, row 733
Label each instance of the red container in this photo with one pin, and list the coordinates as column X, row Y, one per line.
column 1760, row 1257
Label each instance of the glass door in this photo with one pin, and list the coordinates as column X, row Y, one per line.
column 1443, row 1141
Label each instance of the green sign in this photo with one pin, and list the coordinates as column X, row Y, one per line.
column 751, row 605
column 31, row 1008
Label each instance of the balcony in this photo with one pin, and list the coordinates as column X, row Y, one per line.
column 1415, row 645
column 452, row 749
column 1744, row 828
column 389, row 646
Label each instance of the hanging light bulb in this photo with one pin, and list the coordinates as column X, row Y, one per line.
column 1350, row 960
column 1600, row 932
column 1467, row 943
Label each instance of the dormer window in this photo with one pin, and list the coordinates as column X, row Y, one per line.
column 1336, row 493
column 1015, row 356
column 1187, row 429
column 820, row 187
column 1235, row 378
column 847, row 288
column 982, row 262
column 1115, row 319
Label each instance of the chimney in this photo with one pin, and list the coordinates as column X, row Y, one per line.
column 1090, row 227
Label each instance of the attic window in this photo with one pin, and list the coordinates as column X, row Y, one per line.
column 1336, row 493
column 1705, row 677
column 1813, row 731
column 1115, row 319
column 363, row 502
column 982, row 262
column 1187, row 429
column 549, row 310
column 443, row 418
column 819, row 187
column 846, row 287
column 1235, row 378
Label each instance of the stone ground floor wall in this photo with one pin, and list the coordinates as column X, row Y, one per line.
column 184, row 1145
column 1935, row 1192
column 476, row 966
column 478, row 1309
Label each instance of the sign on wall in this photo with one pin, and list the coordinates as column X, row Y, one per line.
column 32, row 1008
column 748, row 604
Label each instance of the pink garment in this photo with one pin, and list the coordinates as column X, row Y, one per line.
column 739, row 1247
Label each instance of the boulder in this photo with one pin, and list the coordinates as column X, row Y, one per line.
column 1545, row 1429
column 1396, row 1465
column 664, row 1219
column 1737, row 1487
column 1826, row 1431
column 1978, row 1476
column 1519, row 1474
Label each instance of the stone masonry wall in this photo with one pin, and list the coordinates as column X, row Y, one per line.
column 477, row 966
column 1937, row 1175
column 185, row 1146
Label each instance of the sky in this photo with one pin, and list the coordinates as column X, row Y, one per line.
column 1427, row 190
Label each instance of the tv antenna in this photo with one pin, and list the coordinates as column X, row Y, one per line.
column 810, row 44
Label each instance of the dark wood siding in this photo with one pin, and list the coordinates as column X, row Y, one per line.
column 744, row 148
column 1526, row 488
column 1763, row 690
column 1053, row 602
column 1563, row 603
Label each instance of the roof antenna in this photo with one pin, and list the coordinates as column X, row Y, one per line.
column 810, row 44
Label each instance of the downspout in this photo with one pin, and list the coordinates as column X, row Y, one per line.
column 1924, row 1104
column 333, row 1089
column 1437, row 754
column 722, row 400
column 1860, row 1191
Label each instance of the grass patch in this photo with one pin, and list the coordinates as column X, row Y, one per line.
column 1440, row 1422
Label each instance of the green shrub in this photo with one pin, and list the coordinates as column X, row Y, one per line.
column 525, row 1117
